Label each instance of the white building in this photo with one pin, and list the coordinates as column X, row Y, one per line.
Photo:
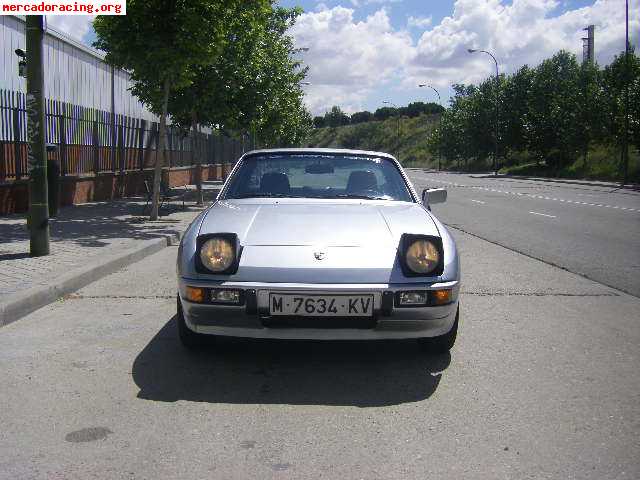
column 73, row 72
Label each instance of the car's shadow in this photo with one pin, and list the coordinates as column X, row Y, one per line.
column 362, row 374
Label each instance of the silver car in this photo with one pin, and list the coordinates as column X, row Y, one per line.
column 319, row 244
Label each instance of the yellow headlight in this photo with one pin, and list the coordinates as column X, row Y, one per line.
column 422, row 256
column 217, row 254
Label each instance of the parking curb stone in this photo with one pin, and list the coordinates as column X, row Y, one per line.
column 21, row 304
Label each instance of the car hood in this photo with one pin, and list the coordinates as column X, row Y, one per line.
column 291, row 222
column 282, row 240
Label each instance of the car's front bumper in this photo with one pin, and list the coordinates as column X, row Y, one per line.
column 252, row 319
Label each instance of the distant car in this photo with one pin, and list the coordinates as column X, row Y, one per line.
column 319, row 244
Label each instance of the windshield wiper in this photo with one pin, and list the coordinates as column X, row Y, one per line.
column 361, row 197
column 264, row 195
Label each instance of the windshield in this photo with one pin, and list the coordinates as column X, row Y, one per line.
column 318, row 176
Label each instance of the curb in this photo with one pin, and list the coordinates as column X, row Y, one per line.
column 576, row 181
column 572, row 181
column 21, row 304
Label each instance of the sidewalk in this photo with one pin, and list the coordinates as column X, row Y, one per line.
column 502, row 176
column 573, row 181
column 88, row 241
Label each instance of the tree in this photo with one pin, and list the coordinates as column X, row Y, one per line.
column 613, row 85
column 336, row 117
column 479, row 121
column 385, row 112
column 554, row 118
column 361, row 117
column 450, row 140
column 318, row 122
column 252, row 85
column 419, row 108
column 556, row 111
column 162, row 43
column 514, row 106
column 282, row 118
column 591, row 108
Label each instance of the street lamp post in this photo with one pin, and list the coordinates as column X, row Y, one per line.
column 627, row 79
column 495, row 154
column 397, row 126
column 440, row 119
column 38, row 194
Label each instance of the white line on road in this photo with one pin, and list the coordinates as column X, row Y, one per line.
column 477, row 201
column 539, row 197
column 543, row 214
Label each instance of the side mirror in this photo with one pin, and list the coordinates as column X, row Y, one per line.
column 431, row 196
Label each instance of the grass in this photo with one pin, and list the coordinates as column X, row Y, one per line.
column 410, row 147
column 603, row 163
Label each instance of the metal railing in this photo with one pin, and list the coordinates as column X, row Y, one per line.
column 91, row 141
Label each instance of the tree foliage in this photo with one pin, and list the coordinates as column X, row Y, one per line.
column 337, row 118
column 554, row 113
column 163, row 43
column 253, row 85
column 227, row 64
column 161, row 39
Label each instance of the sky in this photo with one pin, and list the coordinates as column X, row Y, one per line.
column 365, row 52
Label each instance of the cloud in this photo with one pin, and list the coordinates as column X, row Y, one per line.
column 78, row 27
column 524, row 32
column 358, row 3
column 352, row 60
column 347, row 58
column 420, row 22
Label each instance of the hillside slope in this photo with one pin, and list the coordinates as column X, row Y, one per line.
column 382, row 136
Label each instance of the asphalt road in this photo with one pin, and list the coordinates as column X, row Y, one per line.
column 592, row 230
column 544, row 382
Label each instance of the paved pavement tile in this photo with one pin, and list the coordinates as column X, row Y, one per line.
column 80, row 234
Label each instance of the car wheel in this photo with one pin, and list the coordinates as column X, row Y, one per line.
column 188, row 338
column 443, row 343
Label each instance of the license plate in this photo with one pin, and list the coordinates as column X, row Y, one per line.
column 321, row 305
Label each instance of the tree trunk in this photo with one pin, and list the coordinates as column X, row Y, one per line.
column 585, row 161
column 197, row 160
column 160, row 159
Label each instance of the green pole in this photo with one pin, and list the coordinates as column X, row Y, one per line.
column 38, row 198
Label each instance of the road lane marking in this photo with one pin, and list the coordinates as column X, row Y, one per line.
column 539, row 197
column 543, row 214
column 478, row 201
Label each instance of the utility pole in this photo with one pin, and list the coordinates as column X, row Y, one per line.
column 38, row 195
column 627, row 78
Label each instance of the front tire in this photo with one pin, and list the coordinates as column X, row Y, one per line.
column 189, row 339
column 443, row 343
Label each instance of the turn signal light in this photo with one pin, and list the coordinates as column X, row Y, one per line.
column 441, row 297
column 194, row 294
